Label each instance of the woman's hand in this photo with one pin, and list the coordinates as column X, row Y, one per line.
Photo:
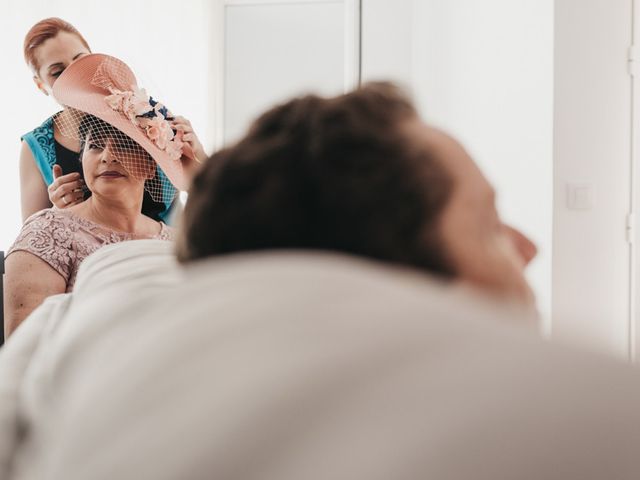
column 189, row 137
column 66, row 190
column 193, row 153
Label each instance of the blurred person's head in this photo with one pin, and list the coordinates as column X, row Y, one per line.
column 50, row 46
column 360, row 174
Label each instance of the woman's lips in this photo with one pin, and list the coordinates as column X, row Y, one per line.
column 111, row 174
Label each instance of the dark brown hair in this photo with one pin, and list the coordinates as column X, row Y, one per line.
column 337, row 174
column 43, row 31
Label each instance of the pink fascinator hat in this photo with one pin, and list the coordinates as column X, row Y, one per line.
column 105, row 88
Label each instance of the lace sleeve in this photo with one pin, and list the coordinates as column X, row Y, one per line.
column 49, row 237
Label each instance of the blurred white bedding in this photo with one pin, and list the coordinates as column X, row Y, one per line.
column 295, row 366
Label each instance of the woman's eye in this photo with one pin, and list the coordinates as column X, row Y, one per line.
column 93, row 146
column 56, row 74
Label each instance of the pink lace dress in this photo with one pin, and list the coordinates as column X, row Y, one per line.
column 63, row 240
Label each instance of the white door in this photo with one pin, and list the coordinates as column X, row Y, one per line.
column 276, row 49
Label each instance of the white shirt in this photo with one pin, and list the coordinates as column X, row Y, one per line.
column 294, row 366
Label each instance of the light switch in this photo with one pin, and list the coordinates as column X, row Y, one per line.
column 580, row 196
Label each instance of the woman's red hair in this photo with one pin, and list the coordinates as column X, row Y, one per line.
column 43, row 31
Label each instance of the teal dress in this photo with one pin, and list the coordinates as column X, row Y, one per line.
column 47, row 153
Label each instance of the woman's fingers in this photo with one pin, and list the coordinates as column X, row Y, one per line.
column 66, row 193
column 75, row 195
column 180, row 120
column 188, row 136
column 183, row 128
column 57, row 171
column 69, row 187
column 182, row 124
column 70, row 177
column 69, row 199
column 76, row 202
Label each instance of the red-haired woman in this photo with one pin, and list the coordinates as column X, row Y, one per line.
column 50, row 172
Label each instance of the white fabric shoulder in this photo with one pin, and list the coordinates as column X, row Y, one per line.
column 133, row 261
column 306, row 367
column 28, row 359
column 18, row 356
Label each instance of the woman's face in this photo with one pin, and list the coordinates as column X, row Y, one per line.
column 115, row 167
column 54, row 55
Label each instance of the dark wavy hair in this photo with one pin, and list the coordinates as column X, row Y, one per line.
column 90, row 125
column 337, row 174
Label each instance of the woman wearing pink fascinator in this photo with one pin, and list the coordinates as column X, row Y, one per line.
column 129, row 146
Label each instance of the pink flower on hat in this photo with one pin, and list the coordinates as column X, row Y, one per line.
column 115, row 100
column 151, row 116
column 136, row 104
column 132, row 103
column 158, row 130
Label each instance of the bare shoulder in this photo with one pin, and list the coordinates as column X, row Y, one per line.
column 33, row 189
column 28, row 281
column 27, row 160
column 24, row 265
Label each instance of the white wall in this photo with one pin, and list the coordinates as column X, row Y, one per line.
column 484, row 72
column 165, row 43
column 592, row 145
